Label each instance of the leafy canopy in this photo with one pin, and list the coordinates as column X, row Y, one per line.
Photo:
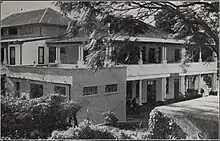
column 196, row 22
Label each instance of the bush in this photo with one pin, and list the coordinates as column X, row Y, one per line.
column 162, row 127
column 35, row 118
column 110, row 118
column 86, row 130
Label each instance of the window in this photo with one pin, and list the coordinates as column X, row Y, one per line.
column 62, row 50
column 63, row 56
column 2, row 32
column 52, row 54
column 85, row 53
column 177, row 55
column 90, row 90
column 12, row 55
column 60, row 90
column 12, row 31
column 40, row 55
column 111, row 88
column 167, row 85
column 36, row 91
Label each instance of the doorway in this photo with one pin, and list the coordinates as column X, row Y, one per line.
column 176, row 88
column 151, row 91
column 36, row 91
column 2, row 54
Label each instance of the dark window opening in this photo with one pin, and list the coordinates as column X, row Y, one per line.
column 177, row 55
column 2, row 54
column 12, row 55
column 111, row 88
column 167, row 85
column 90, row 90
column 85, row 54
column 12, row 31
column 2, row 32
column 63, row 55
column 40, row 55
column 59, row 90
column 36, row 91
column 52, row 54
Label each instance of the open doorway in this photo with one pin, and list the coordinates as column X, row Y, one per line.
column 176, row 88
column 151, row 91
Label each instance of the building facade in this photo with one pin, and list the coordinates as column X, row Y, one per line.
column 40, row 65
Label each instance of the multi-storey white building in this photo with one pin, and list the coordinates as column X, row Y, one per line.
column 40, row 65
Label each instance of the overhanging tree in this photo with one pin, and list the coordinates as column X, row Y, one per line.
column 196, row 22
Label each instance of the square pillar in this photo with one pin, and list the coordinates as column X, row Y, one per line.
column 182, row 85
column 140, row 92
column 57, row 55
column 214, row 82
column 183, row 54
column 133, row 89
column 5, row 56
column 141, row 57
column 164, row 55
column 200, row 55
column 163, row 89
column 80, row 61
column 199, row 83
column 107, row 56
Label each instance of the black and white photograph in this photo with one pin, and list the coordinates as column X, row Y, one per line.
column 119, row 70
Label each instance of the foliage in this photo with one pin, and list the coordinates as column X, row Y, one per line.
column 103, row 22
column 35, row 118
column 208, row 79
column 162, row 127
column 86, row 130
column 195, row 22
column 110, row 118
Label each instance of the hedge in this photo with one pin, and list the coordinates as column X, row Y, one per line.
column 35, row 118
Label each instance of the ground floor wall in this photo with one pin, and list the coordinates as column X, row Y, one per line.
column 166, row 88
column 93, row 104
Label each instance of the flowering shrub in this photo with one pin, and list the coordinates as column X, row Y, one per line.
column 35, row 118
column 86, row 130
column 162, row 127
column 110, row 118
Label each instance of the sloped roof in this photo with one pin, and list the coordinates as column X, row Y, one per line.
column 45, row 16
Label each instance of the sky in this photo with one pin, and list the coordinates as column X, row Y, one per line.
column 11, row 7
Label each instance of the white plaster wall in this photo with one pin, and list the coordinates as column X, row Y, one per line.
column 30, row 52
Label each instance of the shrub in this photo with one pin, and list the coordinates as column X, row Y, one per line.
column 35, row 118
column 110, row 118
column 162, row 127
column 86, row 130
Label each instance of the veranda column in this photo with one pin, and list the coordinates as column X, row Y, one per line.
column 199, row 83
column 200, row 55
column 133, row 89
column 163, row 89
column 140, row 92
column 57, row 55
column 214, row 82
column 164, row 55
column 183, row 54
column 141, row 57
column 80, row 61
column 182, row 85
column 5, row 56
